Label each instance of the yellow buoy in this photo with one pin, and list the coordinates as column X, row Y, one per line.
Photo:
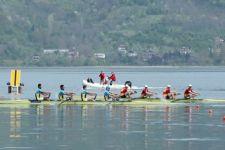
column 15, row 78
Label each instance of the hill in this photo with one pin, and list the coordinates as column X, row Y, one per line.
column 128, row 32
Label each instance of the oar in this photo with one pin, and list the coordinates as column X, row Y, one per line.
column 67, row 99
column 62, row 102
column 140, row 88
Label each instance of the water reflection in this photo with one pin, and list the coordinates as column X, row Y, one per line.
column 110, row 127
column 15, row 123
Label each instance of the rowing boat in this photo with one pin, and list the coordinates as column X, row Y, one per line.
column 101, row 102
column 103, row 86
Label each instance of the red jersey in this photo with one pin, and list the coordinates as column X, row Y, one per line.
column 166, row 91
column 102, row 76
column 124, row 90
column 188, row 91
column 113, row 77
column 144, row 91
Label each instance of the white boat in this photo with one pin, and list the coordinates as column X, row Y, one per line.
column 102, row 86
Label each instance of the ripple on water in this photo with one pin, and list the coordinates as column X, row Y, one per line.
column 15, row 147
column 122, row 131
column 218, row 105
column 195, row 139
column 196, row 124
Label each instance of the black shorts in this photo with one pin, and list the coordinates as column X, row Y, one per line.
column 123, row 96
column 187, row 97
column 168, row 97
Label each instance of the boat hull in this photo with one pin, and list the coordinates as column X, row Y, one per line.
column 101, row 102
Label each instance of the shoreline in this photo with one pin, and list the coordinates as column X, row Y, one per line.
column 165, row 66
column 125, row 68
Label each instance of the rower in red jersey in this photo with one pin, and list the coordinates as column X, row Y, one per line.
column 189, row 93
column 126, row 92
column 168, row 94
column 112, row 78
column 146, row 93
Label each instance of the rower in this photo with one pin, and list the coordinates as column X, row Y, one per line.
column 102, row 77
column 65, row 95
column 126, row 92
column 85, row 93
column 41, row 95
column 189, row 93
column 146, row 93
column 112, row 78
column 168, row 94
column 108, row 94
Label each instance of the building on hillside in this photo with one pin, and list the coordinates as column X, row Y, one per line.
column 56, row 51
column 122, row 49
column 50, row 51
column 185, row 51
column 219, row 45
column 74, row 54
column 152, row 57
column 63, row 51
column 99, row 55
column 36, row 58
column 132, row 54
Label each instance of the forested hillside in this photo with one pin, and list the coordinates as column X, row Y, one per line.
column 152, row 32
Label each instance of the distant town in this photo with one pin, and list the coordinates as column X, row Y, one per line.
column 124, row 53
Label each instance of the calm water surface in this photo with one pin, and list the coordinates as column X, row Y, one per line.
column 112, row 127
column 209, row 81
column 187, row 127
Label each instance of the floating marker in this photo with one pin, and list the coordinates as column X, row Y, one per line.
column 15, row 78
column 15, row 85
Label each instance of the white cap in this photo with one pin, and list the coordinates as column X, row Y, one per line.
column 168, row 85
column 146, row 85
column 190, row 85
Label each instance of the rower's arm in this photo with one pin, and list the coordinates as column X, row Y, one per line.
column 151, row 92
column 195, row 92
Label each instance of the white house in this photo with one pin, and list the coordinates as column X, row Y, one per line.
column 49, row 51
column 122, row 49
column 53, row 51
column 99, row 55
column 36, row 58
column 74, row 54
column 63, row 51
column 185, row 51
column 132, row 54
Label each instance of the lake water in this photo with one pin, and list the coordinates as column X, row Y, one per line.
column 186, row 127
column 112, row 127
column 209, row 81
